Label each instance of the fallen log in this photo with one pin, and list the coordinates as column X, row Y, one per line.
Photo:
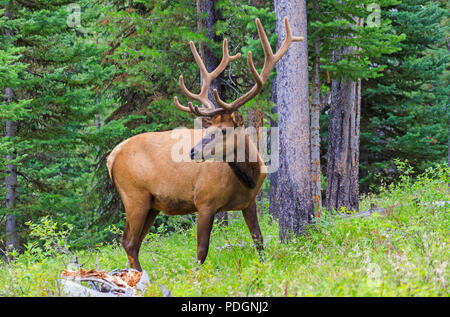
column 123, row 283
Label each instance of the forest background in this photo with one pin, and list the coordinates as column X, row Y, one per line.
column 79, row 77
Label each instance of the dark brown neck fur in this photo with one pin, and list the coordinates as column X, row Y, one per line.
column 247, row 172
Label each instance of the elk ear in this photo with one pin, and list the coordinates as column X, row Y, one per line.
column 238, row 120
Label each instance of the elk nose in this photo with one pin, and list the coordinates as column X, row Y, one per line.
column 192, row 153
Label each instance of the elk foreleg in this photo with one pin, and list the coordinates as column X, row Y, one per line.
column 251, row 219
column 205, row 222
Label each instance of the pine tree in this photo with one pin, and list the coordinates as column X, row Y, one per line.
column 294, row 174
column 11, row 110
column 62, row 70
column 347, row 48
column 405, row 112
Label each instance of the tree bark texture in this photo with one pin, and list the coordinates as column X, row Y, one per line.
column 211, row 62
column 343, row 141
column 448, row 157
column 343, row 146
column 12, row 237
column 315, row 128
column 210, row 59
column 255, row 120
column 294, row 174
column 11, row 179
column 273, row 177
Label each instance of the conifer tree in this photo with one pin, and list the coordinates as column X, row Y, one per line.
column 347, row 48
column 62, row 70
column 10, row 111
column 405, row 112
column 294, row 174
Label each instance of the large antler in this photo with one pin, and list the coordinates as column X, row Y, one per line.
column 202, row 97
column 269, row 63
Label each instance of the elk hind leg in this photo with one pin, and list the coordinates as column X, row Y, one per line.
column 148, row 224
column 138, row 216
column 251, row 219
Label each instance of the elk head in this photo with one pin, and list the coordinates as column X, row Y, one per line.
column 226, row 124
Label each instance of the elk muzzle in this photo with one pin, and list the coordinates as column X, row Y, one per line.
column 205, row 148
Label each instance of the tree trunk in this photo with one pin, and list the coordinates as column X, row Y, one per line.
column 448, row 157
column 294, row 173
column 364, row 173
column 12, row 237
column 273, row 177
column 343, row 141
column 315, row 128
column 211, row 63
column 255, row 120
column 11, row 179
column 210, row 59
column 343, row 146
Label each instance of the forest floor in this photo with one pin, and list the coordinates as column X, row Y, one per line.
column 402, row 252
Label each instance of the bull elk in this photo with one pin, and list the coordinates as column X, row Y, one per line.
column 149, row 181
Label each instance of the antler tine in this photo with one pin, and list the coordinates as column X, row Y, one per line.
column 202, row 97
column 269, row 63
column 287, row 41
column 179, row 106
column 195, row 110
column 207, row 112
column 226, row 59
column 198, row 59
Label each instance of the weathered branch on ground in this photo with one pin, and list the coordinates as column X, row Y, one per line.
column 117, row 283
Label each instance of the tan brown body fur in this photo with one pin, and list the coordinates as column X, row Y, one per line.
column 142, row 164
column 149, row 181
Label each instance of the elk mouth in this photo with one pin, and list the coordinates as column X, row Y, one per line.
column 197, row 152
column 195, row 157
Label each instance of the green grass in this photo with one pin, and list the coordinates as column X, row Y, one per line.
column 402, row 254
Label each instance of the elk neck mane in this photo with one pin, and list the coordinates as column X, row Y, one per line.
column 247, row 172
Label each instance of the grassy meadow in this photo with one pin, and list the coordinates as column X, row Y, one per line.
column 404, row 252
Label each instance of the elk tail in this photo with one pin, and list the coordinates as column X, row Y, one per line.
column 110, row 164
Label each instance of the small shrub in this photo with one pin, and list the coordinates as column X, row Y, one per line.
column 51, row 240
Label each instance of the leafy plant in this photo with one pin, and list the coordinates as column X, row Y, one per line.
column 49, row 240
